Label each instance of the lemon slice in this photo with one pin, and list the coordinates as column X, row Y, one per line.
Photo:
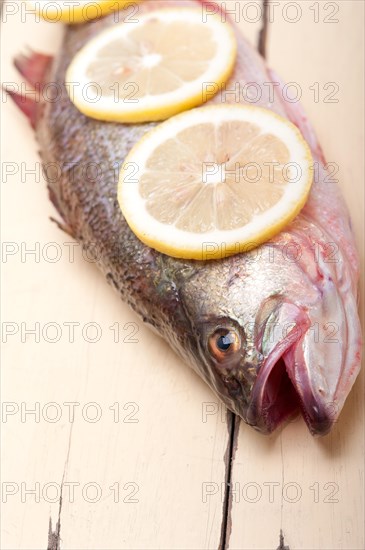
column 215, row 181
column 152, row 69
column 75, row 11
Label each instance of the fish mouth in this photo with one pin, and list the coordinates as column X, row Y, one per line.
column 284, row 388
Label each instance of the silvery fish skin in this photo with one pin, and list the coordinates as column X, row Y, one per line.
column 289, row 306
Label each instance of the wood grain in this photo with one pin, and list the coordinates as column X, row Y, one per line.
column 165, row 444
column 318, row 498
column 156, row 451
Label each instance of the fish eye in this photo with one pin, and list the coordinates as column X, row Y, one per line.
column 223, row 343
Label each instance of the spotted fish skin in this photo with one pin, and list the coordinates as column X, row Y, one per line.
column 274, row 372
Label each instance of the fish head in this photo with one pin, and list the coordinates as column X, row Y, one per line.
column 270, row 339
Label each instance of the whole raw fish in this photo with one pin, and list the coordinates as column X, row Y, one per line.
column 272, row 331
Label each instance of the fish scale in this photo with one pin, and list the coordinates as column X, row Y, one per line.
column 273, row 373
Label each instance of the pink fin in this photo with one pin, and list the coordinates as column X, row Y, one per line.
column 63, row 226
column 26, row 105
column 297, row 115
column 33, row 67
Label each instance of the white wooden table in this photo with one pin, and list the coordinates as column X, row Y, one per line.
column 136, row 444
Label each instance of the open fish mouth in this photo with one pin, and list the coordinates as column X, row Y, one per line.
column 284, row 387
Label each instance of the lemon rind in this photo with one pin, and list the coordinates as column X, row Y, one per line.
column 226, row 241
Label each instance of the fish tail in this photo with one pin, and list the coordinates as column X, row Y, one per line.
column 33, row 67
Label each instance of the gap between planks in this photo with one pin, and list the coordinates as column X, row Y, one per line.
column 233, row 421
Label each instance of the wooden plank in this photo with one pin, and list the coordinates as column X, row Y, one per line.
column 144, row 464
column 170, row 453
column 312, row 489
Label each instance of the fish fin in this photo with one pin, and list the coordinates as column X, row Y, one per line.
column 33, row 67
column 297, row 116
column 63, row 226
column 27, row 105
